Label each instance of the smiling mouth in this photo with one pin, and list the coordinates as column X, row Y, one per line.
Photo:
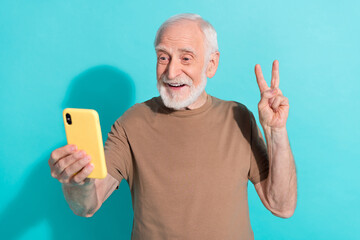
column 175, row 85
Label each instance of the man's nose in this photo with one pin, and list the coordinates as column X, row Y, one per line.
column 174, row 69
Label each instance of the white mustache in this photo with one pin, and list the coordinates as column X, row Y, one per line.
column 178, row 80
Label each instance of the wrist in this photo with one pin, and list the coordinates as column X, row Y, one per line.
column 88, row 182
column 277, row 132
column 276, row 137
column 274, row 131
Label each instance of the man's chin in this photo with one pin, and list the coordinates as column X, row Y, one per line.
column 176, row 104
column 179, row 99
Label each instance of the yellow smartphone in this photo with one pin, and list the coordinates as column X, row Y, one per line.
column 82, row 127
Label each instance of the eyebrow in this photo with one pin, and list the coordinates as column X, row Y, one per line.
column 185, row 49
column 160, row 48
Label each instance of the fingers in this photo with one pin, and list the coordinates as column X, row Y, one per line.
column 260, row 79
column 267, row 97
column 275, row 78
column 81, row 176
column 73, row 170
column 272, row 97
column 270, row 93
column 66, row 163
column 279, row 101
column 62, row 152
column 68, row 166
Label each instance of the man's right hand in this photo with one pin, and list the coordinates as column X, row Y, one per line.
column 70, row 166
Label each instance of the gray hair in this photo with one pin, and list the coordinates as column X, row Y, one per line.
column 208, row 30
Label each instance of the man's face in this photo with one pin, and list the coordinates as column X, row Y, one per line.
column 181, row 77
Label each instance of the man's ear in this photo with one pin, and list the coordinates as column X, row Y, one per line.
column 212, row 64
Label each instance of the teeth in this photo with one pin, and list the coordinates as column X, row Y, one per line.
column 175, row 84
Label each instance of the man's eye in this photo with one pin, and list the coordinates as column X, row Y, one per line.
column 163, row 59
column 186, row 59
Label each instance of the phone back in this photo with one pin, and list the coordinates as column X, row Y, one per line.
column 84, row 131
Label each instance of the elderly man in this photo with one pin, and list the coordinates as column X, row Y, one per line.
column 186, row 155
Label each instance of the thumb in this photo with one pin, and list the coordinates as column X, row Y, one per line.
column 266, row 96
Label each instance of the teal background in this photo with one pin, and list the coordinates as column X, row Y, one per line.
column 99, row 54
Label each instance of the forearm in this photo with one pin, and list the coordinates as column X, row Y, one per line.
column 281, row 185
column 82, row 199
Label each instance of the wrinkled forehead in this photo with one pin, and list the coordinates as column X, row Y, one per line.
column 183, row 34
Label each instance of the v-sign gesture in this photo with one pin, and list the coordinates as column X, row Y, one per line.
column 273, row 106
column 278, row 191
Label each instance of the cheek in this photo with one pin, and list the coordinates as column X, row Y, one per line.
column 160, row 70
column 196, row 76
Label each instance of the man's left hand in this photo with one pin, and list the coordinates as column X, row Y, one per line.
column 273, row 106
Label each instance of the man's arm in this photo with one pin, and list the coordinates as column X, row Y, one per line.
column 84, row 196
column 279, row 191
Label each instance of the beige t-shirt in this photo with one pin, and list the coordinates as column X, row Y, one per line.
column 188, row 170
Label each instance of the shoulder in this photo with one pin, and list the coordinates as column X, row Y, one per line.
column 234, row 116
column 139, row 112
column 238, row 109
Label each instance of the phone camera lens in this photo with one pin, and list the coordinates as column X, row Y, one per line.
column 68, row 118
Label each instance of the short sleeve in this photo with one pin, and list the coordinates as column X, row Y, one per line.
column 118, row 153
column 259, row 161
